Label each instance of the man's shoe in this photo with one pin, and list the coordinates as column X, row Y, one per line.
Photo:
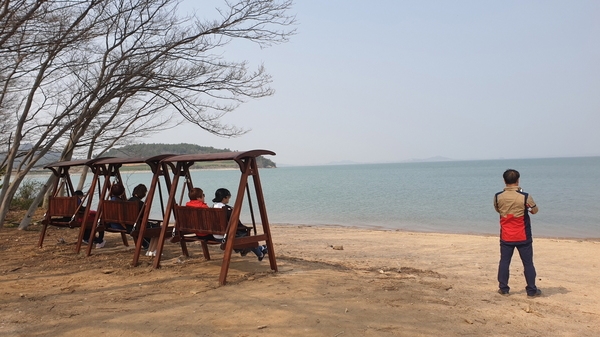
column 101, row 244
column 502, row 292
column 538, row 293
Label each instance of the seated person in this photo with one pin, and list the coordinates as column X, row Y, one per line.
column 139, row 193
column 221, row 200
column 99, row 239
column 117, row 192
column 196, row 196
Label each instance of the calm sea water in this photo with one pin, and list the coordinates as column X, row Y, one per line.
column 450, row 197
column 441, row 197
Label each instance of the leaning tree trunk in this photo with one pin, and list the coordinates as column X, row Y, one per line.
column 83, row 177
column 26, row 221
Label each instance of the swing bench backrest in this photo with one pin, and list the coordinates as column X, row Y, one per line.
column 121, row 212
column 60, row 211
column 194, row 220
column 204, row 221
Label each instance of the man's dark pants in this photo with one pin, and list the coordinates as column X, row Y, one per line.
column 526, row 253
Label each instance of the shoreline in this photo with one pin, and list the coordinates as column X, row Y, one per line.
column 387, row 229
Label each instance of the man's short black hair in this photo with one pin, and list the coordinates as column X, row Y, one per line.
column 511, row 176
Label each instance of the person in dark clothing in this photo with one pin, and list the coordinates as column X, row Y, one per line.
column 139, row 193
column 117, row 192
column 99, row 239
column 221, row 200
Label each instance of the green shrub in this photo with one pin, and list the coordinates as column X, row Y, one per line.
column 26, row 193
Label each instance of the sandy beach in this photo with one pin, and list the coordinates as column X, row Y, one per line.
column 331, row 281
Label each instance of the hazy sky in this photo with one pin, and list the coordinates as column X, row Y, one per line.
column 389, row 81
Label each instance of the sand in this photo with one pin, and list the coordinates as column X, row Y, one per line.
column 374, row 283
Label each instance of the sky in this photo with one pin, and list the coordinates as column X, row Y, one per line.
column 393, row 81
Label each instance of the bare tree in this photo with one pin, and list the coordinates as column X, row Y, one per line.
column 111, row 69
column 29, row 65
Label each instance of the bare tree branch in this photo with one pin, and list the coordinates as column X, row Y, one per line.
column 80, row 75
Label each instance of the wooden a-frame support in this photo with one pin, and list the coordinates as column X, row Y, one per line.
column 60, row 170
column 180, row 166
column 110, row 167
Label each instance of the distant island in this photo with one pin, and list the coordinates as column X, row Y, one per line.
column 433, row 159
column 150, row 150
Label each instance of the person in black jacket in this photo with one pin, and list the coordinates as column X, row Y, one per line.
column 139, row 193
column 221, row 200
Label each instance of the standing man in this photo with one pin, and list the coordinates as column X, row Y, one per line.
column 514, row 207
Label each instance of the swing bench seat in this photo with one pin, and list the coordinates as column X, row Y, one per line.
column 62, row 212
column 124, row 213
column 207, row 221
column 127, row 215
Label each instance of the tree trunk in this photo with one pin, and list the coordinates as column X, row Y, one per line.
column 159, row 63
column 26, row 221
column 82, row 178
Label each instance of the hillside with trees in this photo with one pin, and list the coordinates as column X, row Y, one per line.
column 149, row 150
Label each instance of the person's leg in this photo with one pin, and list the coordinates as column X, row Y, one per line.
column 152, row 246
column 99, row 240
column 506, row 253
column 146, row 243
column 118, row 226
column 86, row 235
column 526, row 253
column 258, row 252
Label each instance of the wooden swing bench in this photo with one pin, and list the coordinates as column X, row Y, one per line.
column 203, row 221
column 191, row 222
column 62, row 212
column 126, row 214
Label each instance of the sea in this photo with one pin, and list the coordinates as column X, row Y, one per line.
column 442, row 197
